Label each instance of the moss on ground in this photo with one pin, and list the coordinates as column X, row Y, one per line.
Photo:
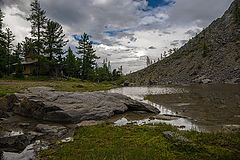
column 143, row 142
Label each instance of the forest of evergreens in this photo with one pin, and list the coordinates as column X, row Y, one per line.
column 46, row 47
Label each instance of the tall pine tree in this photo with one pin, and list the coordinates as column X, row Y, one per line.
column 70, row 64
column 3, row 48
column 88, row 57
column 18, row 53
column 38, row 22
column 54, row 43
column 54, row 40
column 9, row 39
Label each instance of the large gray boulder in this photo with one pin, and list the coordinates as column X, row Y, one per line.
column 43, row 103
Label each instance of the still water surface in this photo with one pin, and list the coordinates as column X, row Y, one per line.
column 203, row 107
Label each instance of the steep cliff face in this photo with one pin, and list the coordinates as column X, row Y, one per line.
column 211, row 56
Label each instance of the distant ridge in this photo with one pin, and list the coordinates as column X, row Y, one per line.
column 212, row 56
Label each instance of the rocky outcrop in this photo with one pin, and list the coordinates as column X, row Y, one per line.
column 43, row 103
column 212, row 56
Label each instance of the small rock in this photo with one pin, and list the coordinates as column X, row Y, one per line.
column 175, row 137
column 58, row 131
column 236, row 80
column 24, row 124
column 43, row 128
column 89, row 123
column 126, row 83
column 18, row 142
column 3, row 114
column 35, row 135
column 78, row 86
column 206, row 81
column 237, row 116
column 132, row 84
column 68, row 139
column 232, row 127
column 182, row 127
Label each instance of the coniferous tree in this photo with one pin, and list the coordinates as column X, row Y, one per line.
column 54, row 39
column 70, row 64
column 28, row 47
column 87, row 56
column 18, row 53
column 103, row 73
column 38, row 22
column 116, row 74
column 3, row 47
column 9, row 39
column 54, row 43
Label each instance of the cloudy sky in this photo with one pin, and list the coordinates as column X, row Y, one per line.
column 124, row 31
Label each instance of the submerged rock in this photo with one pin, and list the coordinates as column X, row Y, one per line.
column 43, row 103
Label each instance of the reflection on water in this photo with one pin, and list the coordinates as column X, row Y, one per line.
column 182, row 123
column 138, row 93
column 210, row 107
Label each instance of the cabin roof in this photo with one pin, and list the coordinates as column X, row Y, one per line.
column 26, row 62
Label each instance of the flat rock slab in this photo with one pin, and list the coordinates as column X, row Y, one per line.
column 44, row 103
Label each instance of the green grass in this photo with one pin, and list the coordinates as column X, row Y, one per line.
column 143, row 143
column 73, row 85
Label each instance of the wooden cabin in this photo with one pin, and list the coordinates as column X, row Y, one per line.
column 29, row 65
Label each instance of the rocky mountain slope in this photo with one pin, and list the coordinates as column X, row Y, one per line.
column 211, row 56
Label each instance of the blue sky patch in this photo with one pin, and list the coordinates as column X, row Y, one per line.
column 159, row 3
column 78, row 37
column 156, row 3
column 113, row 33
